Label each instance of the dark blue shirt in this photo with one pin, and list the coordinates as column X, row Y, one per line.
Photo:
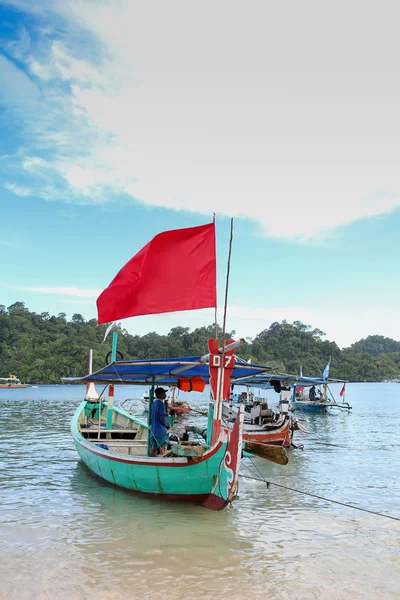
column 158, row 419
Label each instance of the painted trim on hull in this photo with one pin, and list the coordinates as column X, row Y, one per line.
column 281, row 437
column 163, row 462
column 281, row 441
column 12, row 387
column 277, row 437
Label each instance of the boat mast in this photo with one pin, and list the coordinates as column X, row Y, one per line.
column 217, row 407
column 215, row 312
column 227, row 287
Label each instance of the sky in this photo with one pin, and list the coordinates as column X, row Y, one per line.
column 121, row 119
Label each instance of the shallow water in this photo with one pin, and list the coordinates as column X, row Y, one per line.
column 66, row 534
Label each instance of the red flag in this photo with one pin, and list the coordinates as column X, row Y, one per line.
column 342, row 390
column 175, row 271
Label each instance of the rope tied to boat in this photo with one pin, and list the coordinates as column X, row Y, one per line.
column 286, row 487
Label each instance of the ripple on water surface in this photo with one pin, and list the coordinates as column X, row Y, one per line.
column 67, row 534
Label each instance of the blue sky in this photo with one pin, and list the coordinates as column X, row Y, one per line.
column 122, row 119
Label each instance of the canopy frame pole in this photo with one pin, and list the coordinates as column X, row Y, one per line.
column 151, row 400
column 210, row 419
column 110, row 402
column 90, row 368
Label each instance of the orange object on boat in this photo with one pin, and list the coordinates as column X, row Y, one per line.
column 178, row 410
column 196, row 384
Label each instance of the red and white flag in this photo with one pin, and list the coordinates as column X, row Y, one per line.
column 175, row 271
column 342, row 390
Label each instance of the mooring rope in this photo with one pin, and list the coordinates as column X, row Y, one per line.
column 286, row 487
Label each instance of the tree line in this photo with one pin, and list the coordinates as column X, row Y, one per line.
column 43, row 348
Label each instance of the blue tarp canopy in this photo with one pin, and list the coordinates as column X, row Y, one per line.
column 266, row 380
column 166, row 371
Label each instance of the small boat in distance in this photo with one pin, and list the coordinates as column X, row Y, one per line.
column 292, row 390
column 11, row 382
column 174, row 405
column 316, row 399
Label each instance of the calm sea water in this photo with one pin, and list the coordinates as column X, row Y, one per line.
column 66, row 534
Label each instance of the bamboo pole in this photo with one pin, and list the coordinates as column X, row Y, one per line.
column 227, row 287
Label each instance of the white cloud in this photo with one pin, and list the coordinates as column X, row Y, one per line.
column 34, row 163
column 58, row 290
column 245, row 111
column 18, row 190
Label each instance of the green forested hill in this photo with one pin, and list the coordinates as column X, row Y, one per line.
column 43, row 348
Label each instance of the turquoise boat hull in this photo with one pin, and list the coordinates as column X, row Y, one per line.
column 206, row 480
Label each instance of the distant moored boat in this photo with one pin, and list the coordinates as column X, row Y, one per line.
column 11, row 382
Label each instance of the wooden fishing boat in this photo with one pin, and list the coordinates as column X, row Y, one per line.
column 11, row 382
column 304, row 403
column 189, row 473
column 293, row 391
column 115, row 444
column 279, row 434
column 261, row 424
column 318, row 399
column 118, row 447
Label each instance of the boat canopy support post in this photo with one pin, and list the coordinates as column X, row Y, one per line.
column 110, row 402
column 210, row 421
column 231, row 402
column 90, row 368
column 294, row 395
column 151, row 400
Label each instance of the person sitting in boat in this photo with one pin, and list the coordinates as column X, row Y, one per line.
column 255, row 413
column 159, row 424
column 312, row 394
